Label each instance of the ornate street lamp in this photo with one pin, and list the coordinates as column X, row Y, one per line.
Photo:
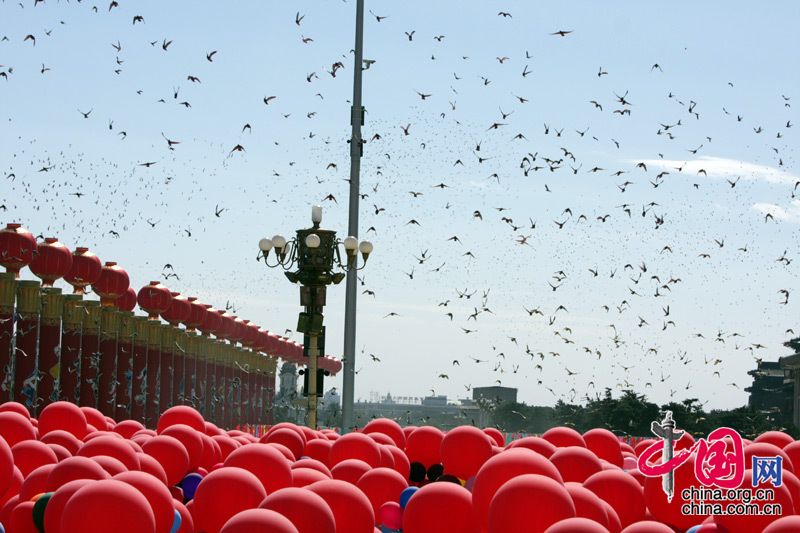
column 316, row 254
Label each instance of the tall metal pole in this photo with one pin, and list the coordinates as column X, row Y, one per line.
column 356, row 150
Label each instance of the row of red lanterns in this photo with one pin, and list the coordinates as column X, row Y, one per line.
column 51, row 260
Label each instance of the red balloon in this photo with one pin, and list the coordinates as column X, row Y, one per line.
column 439, row 507
column 226, row 445
column 621, row 491
column 390, row 515
column 224, row 493
column 267, row 463
column 576, row 463
column 350, row 470
column 778, row 438
column 510, row 511
column 401, row 463
column 382, row 485
column 423, row 445
column 605, row 445
column 576, row 525
column 302, row 477
column 307, row 510
column 110, row 464
column 7, row 508
column 64, row 416
column 319, row 449
column 15, row 407
column 355, row 446
column 157, row 495
column 22, row 518
column 181, row 414
column 501, row 468
column 30, row 455
column 380, row 438
column 127, row 428
column 389, row 428
column 756, row 523
column 63, row 438
column 563, row 436
column 35, row 482
column 647, row 526
column 6, row 466
column 464, row 450
column 94, row 418
column 15, row 428
column 153, row 467
column 191, row 440
column 171, row 455
column 284, row 450
column 259, row 521
column 212, row 453
column 113, row 447
column 313, row 464
column 670, row 512
column 765, row 449
column 108, row 505
column 14, row 485
column 351, row 508
column 387, row 459
column 74, row 468
column 587, row 503
column 536, row 444
column 787, row 524
column 290, row 439
column 187, row 523
column 642, row 445
column 496, row 436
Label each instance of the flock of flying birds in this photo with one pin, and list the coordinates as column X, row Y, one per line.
column 599, row 317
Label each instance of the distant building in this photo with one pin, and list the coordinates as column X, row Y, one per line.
column 495, row 394
column 791, row 364
column 772, row 391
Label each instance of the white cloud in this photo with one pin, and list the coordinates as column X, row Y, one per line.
column 719, row 167
column 790, row 214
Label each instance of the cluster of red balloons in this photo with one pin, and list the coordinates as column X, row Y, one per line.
column 74, row 470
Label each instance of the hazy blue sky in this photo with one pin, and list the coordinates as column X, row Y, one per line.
column 729, row 62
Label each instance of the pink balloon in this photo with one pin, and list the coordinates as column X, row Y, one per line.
column 308, row 511
column 259, row 520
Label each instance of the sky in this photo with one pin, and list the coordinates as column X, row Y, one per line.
column 704, row 95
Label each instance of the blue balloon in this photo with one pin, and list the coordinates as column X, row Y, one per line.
column 176, row 522
column 2, row 529
column 406, row 495
column 189, row 485
column 694, row 529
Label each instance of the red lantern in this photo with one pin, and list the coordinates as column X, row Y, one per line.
column 154, row 299
column 197, row 315
column 275, row 344
column 253, row 336
column 227, row 327
column 298, row 350
column 211, row 321
column 53, row 261
column 112, row 284
column 17, row 248
column 127, row 301
column 178, row 310
column 85, row 270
